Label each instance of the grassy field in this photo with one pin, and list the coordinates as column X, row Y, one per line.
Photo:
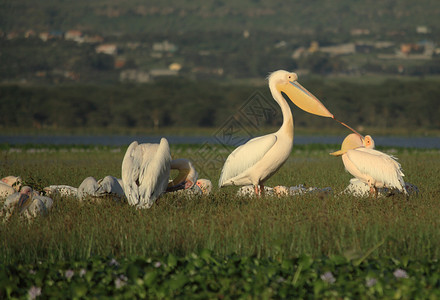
column 287, row 228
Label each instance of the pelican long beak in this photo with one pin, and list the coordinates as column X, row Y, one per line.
column 24, row 202
column 305, row 100
column 351, row 141
column 337, row 153
column 302, row 98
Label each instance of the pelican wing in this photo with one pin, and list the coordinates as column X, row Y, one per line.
column 154, row 173
column 246, row 156
column 87, row 188
column 109, row 185
column 131, row 166
column 380, row 166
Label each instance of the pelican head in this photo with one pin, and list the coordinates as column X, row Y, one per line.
column 205, row 185
column 352, row 141
column 368, row 142
column 287, row 83
column 14, row 181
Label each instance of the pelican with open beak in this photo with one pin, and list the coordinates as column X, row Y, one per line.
column 261, row 157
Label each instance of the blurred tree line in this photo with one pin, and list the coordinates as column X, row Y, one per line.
column 185, row 103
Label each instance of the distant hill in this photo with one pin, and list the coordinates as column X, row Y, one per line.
column 162, row 16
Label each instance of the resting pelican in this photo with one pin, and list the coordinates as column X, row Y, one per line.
column 205, row 186
column 14, row 181
column 258, row 159
column 282, row 191
column 187, row 176
column 145, row 172
column 9, row 185
column 375, row 168
column 6, row 190
column 187, row 181
column 61, row 190
column 28, row 203
column 105, row 187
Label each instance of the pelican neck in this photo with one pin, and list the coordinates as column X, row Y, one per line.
column 285, row 110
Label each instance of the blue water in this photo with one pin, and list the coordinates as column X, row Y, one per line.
column 121, row 140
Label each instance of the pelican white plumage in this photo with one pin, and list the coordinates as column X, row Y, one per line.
column 145, row 172
column 27, row 202
column 257, row 160
column 249, row 191
column 14, row 181
column 187, row 181
column 187, row 176
column 108, row 186
column 375, row 168
column 282, row 191
column 61, row 190
column 6, row 190
column 359, row 188
column 9, row 185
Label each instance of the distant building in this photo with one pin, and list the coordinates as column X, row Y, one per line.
column 364, row 47
column 74, row 35
column 280, row 44
column 56, row 34
column 110, row 49
column 359, row 31
column 298, row 53
column 422, row 29
column 44, row 36
column 314, row 46
column 29, row 33
column 164, row 46
column 342, row 49
column 134, row 75
column 119, row 62
column 96, row 39
column 12, row 35
column 163, row 72
column 411, row 48
column 383, row 44
column 175, row 67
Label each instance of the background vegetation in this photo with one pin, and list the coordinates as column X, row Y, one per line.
column 132, row 16
column 407, row 106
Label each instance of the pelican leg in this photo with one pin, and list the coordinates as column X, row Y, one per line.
column 262, row 189
column 373, row 191
column 257, row 192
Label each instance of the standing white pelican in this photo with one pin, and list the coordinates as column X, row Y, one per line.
column 375, row 168
column 145, row 172
column 258, row 159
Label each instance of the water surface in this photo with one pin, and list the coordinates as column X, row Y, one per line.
column 122, row 140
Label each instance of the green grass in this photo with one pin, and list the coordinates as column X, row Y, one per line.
column 222, row 222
